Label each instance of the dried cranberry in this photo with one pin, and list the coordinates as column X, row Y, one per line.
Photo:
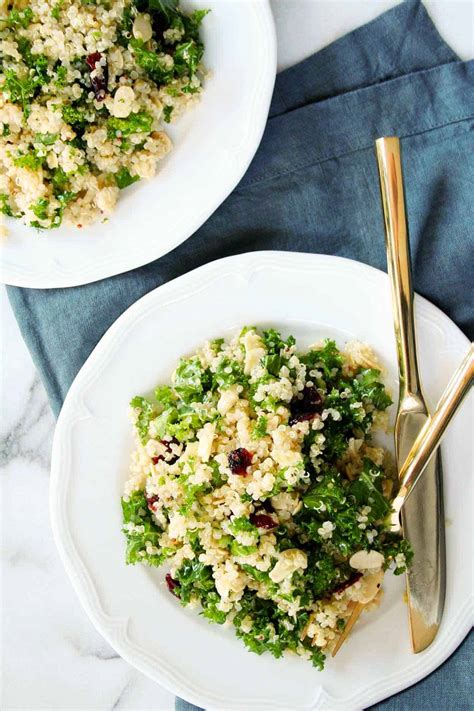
column 347, row 583
column 101, row 78
column 172, row 584
column 151, row 501
column 306, row 407
column 239, row 459
column 261, row 520
column 92, row 60
column 169, row 459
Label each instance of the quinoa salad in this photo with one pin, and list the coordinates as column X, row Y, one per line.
column 255, row 482
column 86, row 89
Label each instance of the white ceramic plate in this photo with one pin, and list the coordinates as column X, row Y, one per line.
column 213, row 146
column 309, row 296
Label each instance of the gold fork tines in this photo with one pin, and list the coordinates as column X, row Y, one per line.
column 357, row 608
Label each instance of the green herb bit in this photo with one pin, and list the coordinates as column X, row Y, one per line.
column 74, row 116
column 260, row 429
column 64, row 199
column 19, row 18
column 146, row 415
column 187, row 57
column 5, row 208
column 151, row 62
column 31, row 161
column 61, row 76
column 59, row 180
column 20, row 89
column 141, row 528
column 40, row 208
column 140, row 122
column 47, row 139
column 274, row 343
column 167, row 111
column 56, row 11
column 123, row 178
column 242, row 525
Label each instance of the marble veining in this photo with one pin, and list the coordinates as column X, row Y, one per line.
column 29, row 437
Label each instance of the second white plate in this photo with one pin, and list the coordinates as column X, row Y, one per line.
column 310, row 296
column 213, row 146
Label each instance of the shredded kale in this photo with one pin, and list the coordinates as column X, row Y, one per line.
column 40, row 208
column 327, row 496
column 274, row 343
column 228, row 373
column 5, row 208
column 74, row 116
column 194, row 578
column 152, row 63
column 61, row 76
column 145, row 416
column 31, row 161
column 165, row 7
column 367, row 490
column 56, row 11
column 368, row 387
column 123, row 178
column 19, row 18
column 167, row 111
column 21, row 89
column 165, row 396
column 140, row 529
column 190, row 380
column 260, row 429
column 328, row 359
column 47, row 139
column 243, row 525
column 140, row 122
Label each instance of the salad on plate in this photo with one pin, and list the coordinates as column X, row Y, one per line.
column 256, row 481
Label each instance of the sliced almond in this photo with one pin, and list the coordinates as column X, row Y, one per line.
column 366, row 560
column 369, row 587
column 142, row 29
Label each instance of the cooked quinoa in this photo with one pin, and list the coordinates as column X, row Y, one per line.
column 86, row 87
column 255, row 480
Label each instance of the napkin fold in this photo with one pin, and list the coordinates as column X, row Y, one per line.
column 313, row 187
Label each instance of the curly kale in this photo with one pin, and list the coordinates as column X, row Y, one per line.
column 140, row 529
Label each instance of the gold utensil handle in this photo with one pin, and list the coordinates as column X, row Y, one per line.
column 430, row 435
column 398, row 259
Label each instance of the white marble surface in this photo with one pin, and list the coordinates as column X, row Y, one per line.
column 51, row 656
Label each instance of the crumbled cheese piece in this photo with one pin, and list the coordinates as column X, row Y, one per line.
column 205, row 438
column 289, row 561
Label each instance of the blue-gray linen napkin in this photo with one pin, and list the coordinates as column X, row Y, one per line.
column 313, row 187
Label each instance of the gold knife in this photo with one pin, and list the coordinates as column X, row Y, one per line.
column 430, row 435
column 422, row 515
